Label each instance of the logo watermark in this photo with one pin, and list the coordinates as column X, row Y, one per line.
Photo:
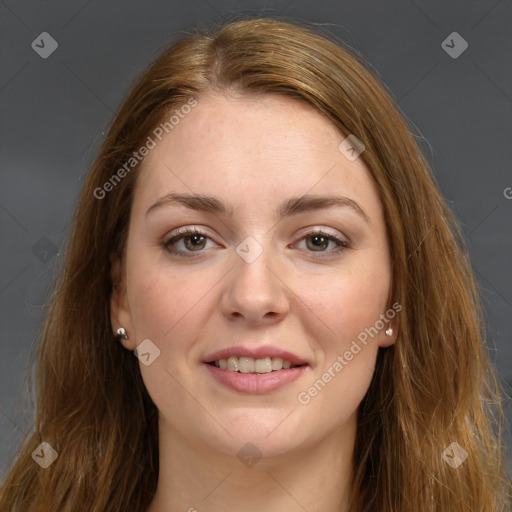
column 249, row 455
column 147, row 352
column 351, row 147
column 454, row 455
column 45, row 455
column 454, row 45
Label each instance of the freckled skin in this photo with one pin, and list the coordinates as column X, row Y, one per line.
column 254, row 154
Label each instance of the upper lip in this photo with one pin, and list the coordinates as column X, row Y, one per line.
column 255, row 353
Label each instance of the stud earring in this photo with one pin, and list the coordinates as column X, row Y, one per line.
column 389, row 332
column 121, row 334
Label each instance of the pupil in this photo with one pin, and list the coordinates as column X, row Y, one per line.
column 318, row 241
column 197, row 239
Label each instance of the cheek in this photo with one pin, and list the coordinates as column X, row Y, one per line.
column 169, row 305
column 159, row 303
column 350, row 308
column 165, row 309
column 350, row 303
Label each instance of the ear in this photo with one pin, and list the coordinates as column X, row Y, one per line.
column 120, row 315
column 383, row 339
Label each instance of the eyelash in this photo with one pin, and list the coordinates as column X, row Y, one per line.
column 187, row 232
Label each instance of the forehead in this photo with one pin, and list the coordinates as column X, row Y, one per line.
column 259, row 148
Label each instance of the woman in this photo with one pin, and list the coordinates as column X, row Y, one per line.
column 261, row 230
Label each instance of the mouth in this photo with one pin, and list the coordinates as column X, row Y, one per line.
column 254, row 365
column 255, row 371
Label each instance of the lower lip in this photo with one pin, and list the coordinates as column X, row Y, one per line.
column 255, row 383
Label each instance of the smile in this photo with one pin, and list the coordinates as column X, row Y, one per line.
column 245, row 379
column 252, row 365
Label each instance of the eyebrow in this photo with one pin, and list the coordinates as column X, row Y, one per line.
column 293, row 206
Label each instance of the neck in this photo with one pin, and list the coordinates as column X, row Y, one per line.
column 195, row 477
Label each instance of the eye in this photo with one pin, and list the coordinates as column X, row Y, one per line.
column 193, row 240
column 318, row 241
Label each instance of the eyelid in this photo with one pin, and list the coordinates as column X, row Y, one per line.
column 323, row 230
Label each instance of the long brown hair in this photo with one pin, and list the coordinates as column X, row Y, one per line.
column 435, row 386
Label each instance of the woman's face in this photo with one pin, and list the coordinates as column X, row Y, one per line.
column 264, row 277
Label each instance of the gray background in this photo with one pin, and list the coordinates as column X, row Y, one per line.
column 54, row 112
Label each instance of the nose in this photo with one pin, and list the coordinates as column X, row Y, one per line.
column 255, row 291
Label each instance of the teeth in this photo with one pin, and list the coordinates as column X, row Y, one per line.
column 277, row 363
column 251, row 365
column 233, row 364
column 246, row 364
column 263, row 365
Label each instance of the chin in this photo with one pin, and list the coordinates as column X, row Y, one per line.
column 272, row 433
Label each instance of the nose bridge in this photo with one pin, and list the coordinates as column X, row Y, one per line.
column 254, row 288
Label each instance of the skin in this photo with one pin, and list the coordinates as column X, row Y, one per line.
column 254, row 153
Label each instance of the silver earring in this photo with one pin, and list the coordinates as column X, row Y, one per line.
column 389, row 332
column 121, row 333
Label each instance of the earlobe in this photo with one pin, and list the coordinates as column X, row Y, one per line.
column 387, row 337
column 120, row 316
